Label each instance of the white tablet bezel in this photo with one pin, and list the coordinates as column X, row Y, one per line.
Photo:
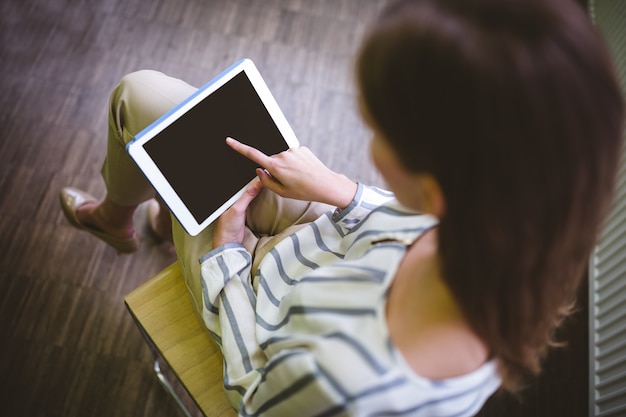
column 143, row 160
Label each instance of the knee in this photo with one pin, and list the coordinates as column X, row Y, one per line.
column 136, row 79
column 135, row 102
column 135, row 85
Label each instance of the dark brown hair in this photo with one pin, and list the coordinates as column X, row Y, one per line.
column 514, row 107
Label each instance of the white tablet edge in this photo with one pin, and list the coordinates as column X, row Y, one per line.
column 153, row 174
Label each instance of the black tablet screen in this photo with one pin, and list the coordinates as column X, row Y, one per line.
column 192, row 153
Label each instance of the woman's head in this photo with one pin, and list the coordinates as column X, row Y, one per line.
column 513, row 108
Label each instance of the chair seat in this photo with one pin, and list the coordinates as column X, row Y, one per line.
column 162, row 309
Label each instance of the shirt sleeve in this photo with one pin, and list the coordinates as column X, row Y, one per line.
column 290, row 382
column 367, row 198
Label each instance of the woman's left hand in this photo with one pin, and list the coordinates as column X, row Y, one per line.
column 230, row 226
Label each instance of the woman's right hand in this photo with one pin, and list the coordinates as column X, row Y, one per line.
column 297, row 173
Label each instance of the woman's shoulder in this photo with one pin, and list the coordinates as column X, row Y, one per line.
column 384, row 383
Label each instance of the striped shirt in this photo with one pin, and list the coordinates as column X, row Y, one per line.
column 305, row 334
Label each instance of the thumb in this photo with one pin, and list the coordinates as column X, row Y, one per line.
column 251, row 191
column 269, row 182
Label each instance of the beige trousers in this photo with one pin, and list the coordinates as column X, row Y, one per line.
column 139, row 99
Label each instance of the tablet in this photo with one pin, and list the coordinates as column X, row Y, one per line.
column 184, row 155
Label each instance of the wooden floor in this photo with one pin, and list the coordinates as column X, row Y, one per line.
column 67, row 345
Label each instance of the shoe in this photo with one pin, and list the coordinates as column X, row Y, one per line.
column 72, row 198
column 154, row 208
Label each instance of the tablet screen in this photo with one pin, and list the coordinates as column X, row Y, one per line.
column 192, row 153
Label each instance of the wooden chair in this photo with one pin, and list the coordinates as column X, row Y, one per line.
column 162, row 309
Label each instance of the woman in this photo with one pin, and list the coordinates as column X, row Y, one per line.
column 497, row 128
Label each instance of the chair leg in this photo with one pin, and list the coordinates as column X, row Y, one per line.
column 169, row 388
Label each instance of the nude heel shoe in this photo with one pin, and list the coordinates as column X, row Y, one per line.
column 72, row 198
